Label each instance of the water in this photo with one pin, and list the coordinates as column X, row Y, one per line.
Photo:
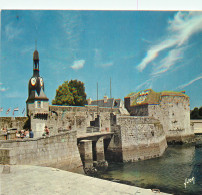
column 167, row 173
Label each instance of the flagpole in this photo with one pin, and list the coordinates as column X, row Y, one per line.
column 97, row 98
column 111, row 92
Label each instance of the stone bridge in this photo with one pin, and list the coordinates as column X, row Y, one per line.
column 92, row 148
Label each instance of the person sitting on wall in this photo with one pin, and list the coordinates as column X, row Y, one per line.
column 46, row 131
column 31, row 134
column 26, row 133
column 17, row 135
column 22, row 134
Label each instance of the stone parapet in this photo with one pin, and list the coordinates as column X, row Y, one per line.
column 79, row 118
column 55, row 151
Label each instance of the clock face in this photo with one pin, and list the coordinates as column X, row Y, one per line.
column 33, row 81
column 41, row 82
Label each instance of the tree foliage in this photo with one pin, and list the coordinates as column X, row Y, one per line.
column 196, row 113
column 70, row 93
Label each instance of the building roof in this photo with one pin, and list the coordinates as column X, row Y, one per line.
column 34, row 96
column 173, row 93
column 149, row 96
column 111, row 102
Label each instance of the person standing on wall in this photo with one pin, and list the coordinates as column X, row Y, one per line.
column 5, row 133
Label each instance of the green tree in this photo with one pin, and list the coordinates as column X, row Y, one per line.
column 200, row 111
column 196, row 113
column 70, row 93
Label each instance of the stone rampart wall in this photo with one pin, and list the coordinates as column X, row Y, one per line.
column 58, row 151
column 61, row 117
column 12, row 122
column 138, row 138
column 174, row 114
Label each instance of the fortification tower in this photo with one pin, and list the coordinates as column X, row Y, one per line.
column 37, row 102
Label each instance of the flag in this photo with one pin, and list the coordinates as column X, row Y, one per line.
column 15, row 109
column 8, row 110
column 23, row 110
column 1, row 109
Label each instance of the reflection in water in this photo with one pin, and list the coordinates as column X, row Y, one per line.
column 167, row 173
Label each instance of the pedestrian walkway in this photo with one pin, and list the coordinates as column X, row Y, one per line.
column 36, row 180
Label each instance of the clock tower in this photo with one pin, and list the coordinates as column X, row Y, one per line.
column 37, row 102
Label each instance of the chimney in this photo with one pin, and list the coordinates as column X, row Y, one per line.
column 105, row 99
column 89, row 101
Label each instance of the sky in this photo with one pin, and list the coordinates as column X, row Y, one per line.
column 138, row 50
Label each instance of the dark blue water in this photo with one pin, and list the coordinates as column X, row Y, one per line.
column 167, row 173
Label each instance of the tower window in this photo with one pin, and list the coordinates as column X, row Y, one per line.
column 38, row 104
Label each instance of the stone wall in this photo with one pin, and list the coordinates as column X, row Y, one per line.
column 61, row 117
column 127, row 101
column 174, row 114
column 197, row 126
column 32, row 108
column 64, row 118
column 141, row 110
column 38, row 115
column 12, row 122
column 137, row 138
column 38, row 126
column 58, row 151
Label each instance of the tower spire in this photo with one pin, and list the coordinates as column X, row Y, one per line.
column 35, row 44
column 36, row 61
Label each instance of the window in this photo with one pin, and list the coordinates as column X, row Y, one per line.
column 38, row 104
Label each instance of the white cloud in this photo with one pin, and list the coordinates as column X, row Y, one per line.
column 173, row 56
column 12, row 31
column 180, row 29
column 2, row 88
column 185, row 25
column 78, row 64
column 73, row 27
column 147, row 84
column 27, row 49
column 190, row 82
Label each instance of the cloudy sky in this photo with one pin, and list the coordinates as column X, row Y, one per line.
column 137, row 49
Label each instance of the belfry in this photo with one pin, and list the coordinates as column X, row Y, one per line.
column 37, row 102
